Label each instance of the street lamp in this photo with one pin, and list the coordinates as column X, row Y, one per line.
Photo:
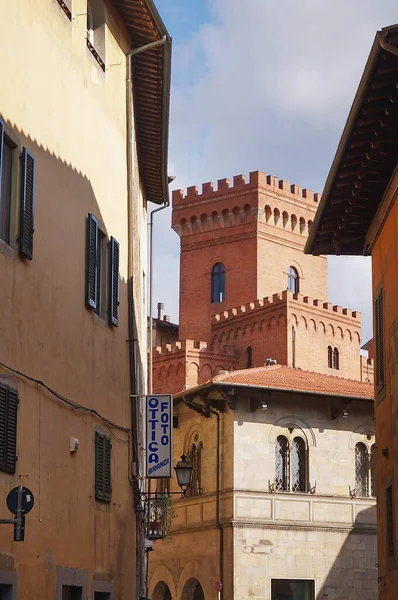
column 184, row 471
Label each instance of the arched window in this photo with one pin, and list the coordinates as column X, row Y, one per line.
column 361, row 469
column 372, row 467
column 249, row 358
column 290, row 465
column 195, row 458
column 293, row 280
column 298, row 465
column 336, row 362
column 282, row 464
column 330, row 357
column 218, row 283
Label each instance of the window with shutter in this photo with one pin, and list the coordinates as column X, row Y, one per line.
column 27, row 205
column 379, row 334
column 103, row 475
column 114, row 282
column 92, row 262
column 8, row 428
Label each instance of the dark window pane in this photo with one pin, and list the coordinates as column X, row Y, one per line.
column 281, row 464
column 330, row 357
column 5, row 197
column 72, row 592
column 372, row 471
column 249, row 362
column 298, row 465
column 336, row 362
column 361, row 469
column 292, row 589
column 218, row 283
column 293, row 280
column 102, row 596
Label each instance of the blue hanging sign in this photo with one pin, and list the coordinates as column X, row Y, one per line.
column 159, row 434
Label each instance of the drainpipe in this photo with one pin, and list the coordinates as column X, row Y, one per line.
column 131, row 325
column 218, row 522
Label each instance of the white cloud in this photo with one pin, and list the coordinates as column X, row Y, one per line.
column 267, row 85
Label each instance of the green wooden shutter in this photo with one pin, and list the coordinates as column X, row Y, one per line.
column 92, row 262
column 8, row 428
column 379, row 333
column 114, row 282
column 1, row 148
column 3, row 425
column 27, row 205
column 103, row 478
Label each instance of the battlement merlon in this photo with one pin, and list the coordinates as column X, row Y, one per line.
column 276, row 300
column 257, row 179
column 186, row 347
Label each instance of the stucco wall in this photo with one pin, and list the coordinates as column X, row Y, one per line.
column 72, row 117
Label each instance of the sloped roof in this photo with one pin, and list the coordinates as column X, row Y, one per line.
column 286, row 378
column 365, row 158
column 151, row 91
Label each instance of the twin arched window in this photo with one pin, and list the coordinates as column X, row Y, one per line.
column 333, row 358
column 195, row 458
column 218, row 283
column 365, row 470
column 293, row 280
column 290, row 465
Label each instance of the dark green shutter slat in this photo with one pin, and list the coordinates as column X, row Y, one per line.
column 11, row 430
column 8, row 428
column 1, row 149
column 92, row 262
column 3, row 424
column 27, row 205
column 103, row 479
column 379, row 327
column 114, row 282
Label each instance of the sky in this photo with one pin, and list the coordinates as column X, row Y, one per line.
column 264, row 85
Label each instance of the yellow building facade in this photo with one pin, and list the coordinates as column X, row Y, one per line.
column 76, row 174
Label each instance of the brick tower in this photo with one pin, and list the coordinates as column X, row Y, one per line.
column 247, row 290
column 257, row 230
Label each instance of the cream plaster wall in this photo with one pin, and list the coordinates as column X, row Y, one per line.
column 327, row 536
column 72, row 117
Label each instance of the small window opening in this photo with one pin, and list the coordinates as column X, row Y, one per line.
column 390, row 525
column 249, row 358
column 293, row 280
column 72, row 592
column 218, row 283
column 96, row 30
column 6, row 592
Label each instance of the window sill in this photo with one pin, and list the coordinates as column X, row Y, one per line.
column 95, row 54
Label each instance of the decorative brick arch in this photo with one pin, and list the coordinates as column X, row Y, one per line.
column 192, row 574
column 294, row 421
column 162, row 576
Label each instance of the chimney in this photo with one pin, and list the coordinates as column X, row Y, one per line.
column 160, row 311
column 166, row 318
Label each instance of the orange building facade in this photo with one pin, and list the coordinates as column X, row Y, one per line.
column 248, row 292
column 368, row 196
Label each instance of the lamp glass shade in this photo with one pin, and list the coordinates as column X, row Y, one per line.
column 184, row 471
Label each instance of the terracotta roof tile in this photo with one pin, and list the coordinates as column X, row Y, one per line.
column 278, row 376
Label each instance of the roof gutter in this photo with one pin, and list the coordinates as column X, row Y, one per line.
column 268, row 388
column 378, row 44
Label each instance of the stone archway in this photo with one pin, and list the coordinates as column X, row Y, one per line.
column 192, row 590
column 161, row 591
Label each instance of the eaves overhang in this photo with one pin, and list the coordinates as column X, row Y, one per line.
column 365, row 159
column 151, row 94
column 225, row 386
